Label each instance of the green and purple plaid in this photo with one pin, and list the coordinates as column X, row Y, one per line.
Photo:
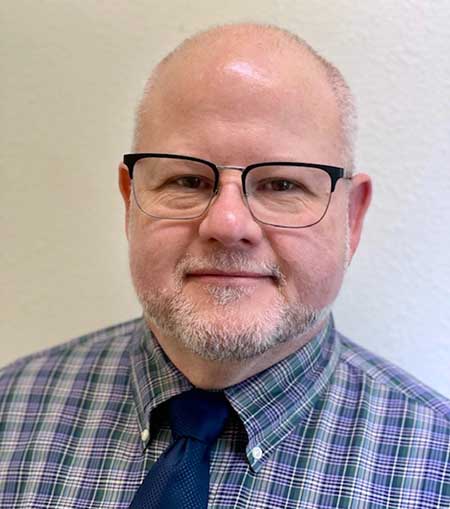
column 331, row 426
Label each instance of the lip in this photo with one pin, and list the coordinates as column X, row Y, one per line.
column 225, row 275
column 218, row 278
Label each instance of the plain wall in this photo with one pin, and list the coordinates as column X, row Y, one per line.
column 71, row 74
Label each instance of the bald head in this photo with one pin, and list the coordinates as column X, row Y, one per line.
column 253, row 66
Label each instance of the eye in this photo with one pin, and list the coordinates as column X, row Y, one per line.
column 191, row 182
column 278, row 185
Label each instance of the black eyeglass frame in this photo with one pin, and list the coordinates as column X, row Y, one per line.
column 334, row 172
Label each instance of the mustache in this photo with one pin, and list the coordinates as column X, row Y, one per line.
column 227, row 261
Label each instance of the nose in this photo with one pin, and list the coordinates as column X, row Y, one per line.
column 228, row 219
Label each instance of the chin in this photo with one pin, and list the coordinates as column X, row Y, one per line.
column 228, row 330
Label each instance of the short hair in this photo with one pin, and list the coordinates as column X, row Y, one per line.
column 341, row 90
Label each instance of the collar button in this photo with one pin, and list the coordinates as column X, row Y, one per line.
column 145, row 435
column 257, row 453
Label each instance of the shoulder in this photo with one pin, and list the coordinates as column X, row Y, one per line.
column 81, row 357
column 385, row 381
column 59, row 408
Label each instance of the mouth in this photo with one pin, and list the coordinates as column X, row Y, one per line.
column 230, row 278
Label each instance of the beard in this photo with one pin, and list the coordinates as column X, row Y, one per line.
column 220, row 330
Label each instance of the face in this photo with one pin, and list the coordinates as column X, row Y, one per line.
column 224, row 286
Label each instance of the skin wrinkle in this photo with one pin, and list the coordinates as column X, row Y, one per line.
column 219, row 331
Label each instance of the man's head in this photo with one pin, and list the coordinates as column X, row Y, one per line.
column 223, row 285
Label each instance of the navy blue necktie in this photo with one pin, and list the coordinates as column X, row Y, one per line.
column 180, row 477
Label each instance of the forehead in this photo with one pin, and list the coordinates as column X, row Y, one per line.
column 240, row 83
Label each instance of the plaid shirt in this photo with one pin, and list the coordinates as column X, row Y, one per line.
column 331, row 426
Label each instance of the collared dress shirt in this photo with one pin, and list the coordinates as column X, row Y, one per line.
column 331, row 426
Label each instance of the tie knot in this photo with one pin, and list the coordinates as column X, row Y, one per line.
column 198, row 414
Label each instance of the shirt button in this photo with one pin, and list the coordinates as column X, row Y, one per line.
column 257, row 453
column 145, row 435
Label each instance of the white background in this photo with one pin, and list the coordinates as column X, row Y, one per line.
column 71, row 73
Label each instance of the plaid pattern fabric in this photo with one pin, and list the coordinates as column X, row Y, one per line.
column 331, row 426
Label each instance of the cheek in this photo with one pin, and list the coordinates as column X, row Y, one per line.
column 313, row 262
column 145, row 264
column 155, row 248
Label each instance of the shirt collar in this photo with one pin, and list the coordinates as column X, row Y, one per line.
column 273, row 403
column 270, row 404
column 154, row 379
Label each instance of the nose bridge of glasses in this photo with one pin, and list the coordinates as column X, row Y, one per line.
column 227, row 167
column 230, row 168
column 230, row 182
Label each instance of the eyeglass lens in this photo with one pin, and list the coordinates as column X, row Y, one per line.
column 292, row 196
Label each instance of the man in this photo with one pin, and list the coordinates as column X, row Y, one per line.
column 242, row 215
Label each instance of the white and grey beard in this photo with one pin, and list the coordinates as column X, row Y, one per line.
column 222, row 333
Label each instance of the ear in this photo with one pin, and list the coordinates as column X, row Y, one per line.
column 360, row 196
column 125, row 191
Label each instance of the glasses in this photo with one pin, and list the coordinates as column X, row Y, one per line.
column 282, row 194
